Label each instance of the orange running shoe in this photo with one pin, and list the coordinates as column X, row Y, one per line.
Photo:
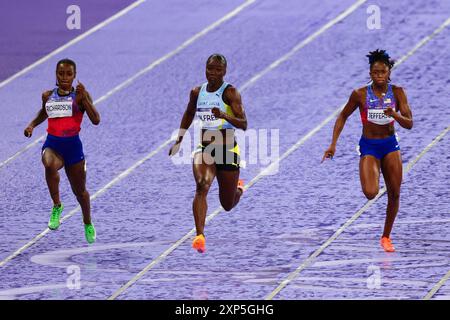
column 199, row 243
column 387, row 244
column 241, row 185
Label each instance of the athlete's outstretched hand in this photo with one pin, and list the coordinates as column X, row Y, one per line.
column 174, row 149
column 329, row 153
column 28, row 132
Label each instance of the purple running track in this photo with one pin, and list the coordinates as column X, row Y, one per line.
column 283, row 218
column 25, row 38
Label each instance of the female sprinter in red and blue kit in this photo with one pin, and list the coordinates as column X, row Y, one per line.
column 381, row 104
column 64, row 108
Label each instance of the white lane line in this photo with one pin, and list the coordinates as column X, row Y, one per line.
column 151, row 265
column 424, row 41
column 383, row 259
column 293, row 275
column 218, row 210
column 28, row 146
column 269, row 168
column 13, row 293
column 303, row 43
column 71, row 213
column 148, row 68
column 318, row 279
column 118, row 178
column 437, row 287
column 72, row 42
column 378, row 225
column 178, row 49
column 254, row 180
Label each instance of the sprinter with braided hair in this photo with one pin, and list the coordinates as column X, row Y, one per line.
column 381, row 104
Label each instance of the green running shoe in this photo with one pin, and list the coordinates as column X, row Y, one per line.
column 54, row 222
column 90, row 233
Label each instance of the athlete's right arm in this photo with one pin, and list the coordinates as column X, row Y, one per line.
column 187, row 119
column 40, row 116
column 349, row 108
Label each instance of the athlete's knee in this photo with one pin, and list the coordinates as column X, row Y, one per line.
column 49, row 166
column 227, row 201
column 227, row 205
column 203, row 186
column 370, row 193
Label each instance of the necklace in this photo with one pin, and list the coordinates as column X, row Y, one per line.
column 64, row 92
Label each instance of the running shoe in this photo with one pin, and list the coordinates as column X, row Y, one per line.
column 90, row 233
column 55, row 221
column 199, row 243
column 387, row 244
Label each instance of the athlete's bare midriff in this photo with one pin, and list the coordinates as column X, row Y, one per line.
column 222, row 136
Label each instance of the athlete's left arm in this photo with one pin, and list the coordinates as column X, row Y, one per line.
column 85, row 102
column 404, row 118
column 233, row 97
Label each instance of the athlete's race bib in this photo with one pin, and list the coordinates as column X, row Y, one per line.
column 377, row 116
column 59, row 109
column 207, row 118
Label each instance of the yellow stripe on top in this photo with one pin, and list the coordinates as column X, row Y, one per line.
column 229, row 112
